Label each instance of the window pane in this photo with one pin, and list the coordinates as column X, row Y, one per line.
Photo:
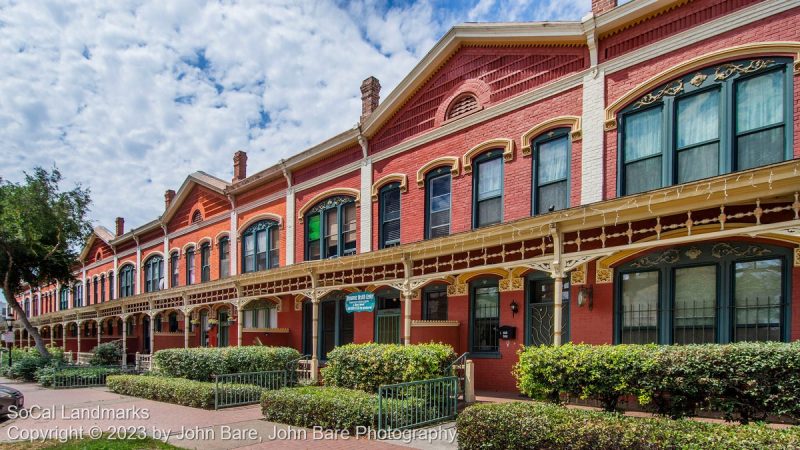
column 490, row 178
column 698, row 162
column 440, row 186
column 553, row 161
column 331, row 233
column 760, row 148
column 759, row 101
column 439, row 204
column 489, row 211
column 644, row 175
column 350, row 229
column 639, row 308
column 486, row 319
column 391, row 204
column 313, row 227
column 552, row 195
column 695, row 313
column 436, row 304
column 698, row 118
column 261, row 250
column 758, row 300
column 642, row 134
column 274, row 251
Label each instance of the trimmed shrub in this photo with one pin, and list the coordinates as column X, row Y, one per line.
column 743, row 381
column 107, row 354
column 333, row 408
column 201, row 363
column 179, row 391
column 539, row 426
column 367, row 366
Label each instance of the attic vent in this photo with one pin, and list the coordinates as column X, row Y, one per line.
column 463, row 106
column 197, row 217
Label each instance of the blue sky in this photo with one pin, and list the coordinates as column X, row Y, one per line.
column 128, row 97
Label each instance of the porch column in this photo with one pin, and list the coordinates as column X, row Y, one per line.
column 185, row 330
column 557, row 289
column 124, row 341
column 80, row 331
column 99, row 330
column 314, row 337
column 51, row 335
column 29, row 339
column 63, row 336
column 408, row 295
column 151, row 324
column 239, row 325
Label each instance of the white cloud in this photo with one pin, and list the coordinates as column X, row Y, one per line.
column 128, row 97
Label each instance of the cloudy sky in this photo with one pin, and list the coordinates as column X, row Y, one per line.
column 128, row 97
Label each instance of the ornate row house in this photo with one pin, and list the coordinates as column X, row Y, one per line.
column 629, row 178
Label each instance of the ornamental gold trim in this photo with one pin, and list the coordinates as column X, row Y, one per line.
column 355, row 193
column 574, row 122
column 507, row 145
column 391, row 178
column 452, row 161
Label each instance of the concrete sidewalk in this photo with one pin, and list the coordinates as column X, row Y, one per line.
column 58, row 411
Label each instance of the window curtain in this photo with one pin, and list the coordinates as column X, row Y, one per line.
column 553, row 160
column 759, row 106
column 490, row 179
column 643, row 134
column 698, row 123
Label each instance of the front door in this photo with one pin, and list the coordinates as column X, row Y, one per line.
column 540, row 312
column 387, row 320
column 146, row 334
column 224, row 328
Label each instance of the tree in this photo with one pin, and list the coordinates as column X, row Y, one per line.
column 41, row 230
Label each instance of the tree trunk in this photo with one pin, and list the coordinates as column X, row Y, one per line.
column 28, row 327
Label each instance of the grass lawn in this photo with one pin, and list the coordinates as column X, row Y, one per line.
column 91, row 444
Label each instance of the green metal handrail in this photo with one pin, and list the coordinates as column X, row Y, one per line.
column 417, row 403
column 228, row 387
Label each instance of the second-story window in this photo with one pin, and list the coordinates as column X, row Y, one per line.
column 174, row 263
column 488, row 189
column 111, row 286
column 224, row 257
column 389, row 215
column 154, row 274
column 96, row 290
column 205, row 262
column 260, row 246
column 126, row 275
column 77, row 294
column 189, row 266
column 103, row 287
column 437, row 203
column 551, row 156
column 89, row 292
column 716, row 120
column 331, row 228
column 63, row 300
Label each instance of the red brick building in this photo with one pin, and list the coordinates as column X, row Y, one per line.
column 629, row 178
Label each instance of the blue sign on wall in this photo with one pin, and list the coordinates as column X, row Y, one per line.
column 360, row 302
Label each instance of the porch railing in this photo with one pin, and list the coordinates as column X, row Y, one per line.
column 226, row 394
column 458, row 369
column 417, row 403
column 143, row 362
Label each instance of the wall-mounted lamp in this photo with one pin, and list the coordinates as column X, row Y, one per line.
column 585, row 296
column 514, row 308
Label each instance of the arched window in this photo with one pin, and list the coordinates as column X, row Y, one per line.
column 27, row 307
column 205, row 262
column 64, row 299
column 111, row 286
column 331, row 228
column 103, row 287
column 260, row 244
column 487, row 189
column 724, row 118
column 77, row 294
column 437, row 203
column 462, row 106
column 89, row 292
column 154, row 274
column 189, row 266
column 551, row 158
column 197, row 216
column 174, row 268
column 224, row 257
column 258, row 314
column 96, row 290
column 126, row 281
column 389, row 231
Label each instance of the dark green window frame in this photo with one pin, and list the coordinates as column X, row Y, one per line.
column 724, row 78
column 434, row 294
column 389, row 229
column 549, row 137
column 102, row 287
column 491, row 156
column 111, row 286
column 154, row 273
column 77, row 294
column 189, row 266
column 126, row 275
column 700, row 256
column 224, row 257
column 174, row 262
column 487, row 330
column 436, row 174
column 320, row 213
column 205, row 262
column 88, row 288
column 63, row 300
column 264, row 234
column 97, row 298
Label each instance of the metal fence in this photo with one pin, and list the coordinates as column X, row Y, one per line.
column 458, row 369
column 69, row 377
column 227, row 394
column 417, row 403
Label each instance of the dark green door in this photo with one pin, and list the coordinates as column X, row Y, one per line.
column 387, row 320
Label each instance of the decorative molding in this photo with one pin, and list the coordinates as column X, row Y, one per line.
column 507, row 145
column 603, row 275
column 451, row 161
column 434, row 323
column 672, row 89
column 724, row 249
column 391, row 178
column 574, row 122
column 457, row 290
column 727, row 70
column 578, row 276
column 797, row 257
column 700, row 62
column 278, row 220
column 349, row 192
column 511, row 284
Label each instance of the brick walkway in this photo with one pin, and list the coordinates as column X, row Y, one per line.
column 240, row 427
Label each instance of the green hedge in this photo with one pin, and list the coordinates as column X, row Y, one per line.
column 25, row 363
column 201, row 363
column 179, row 391
column 743, row 381
column 332, row 408
column 106, row 354
column 367, row 366
column 542, row 426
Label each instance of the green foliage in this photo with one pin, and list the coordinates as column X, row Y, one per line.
column 25, row 363
column 367, row 366
column 180, row 391
column 107, row 354
column 539, row 426
column 201, row 363
column 744, row 381
column 54, row 376
column 332, row 408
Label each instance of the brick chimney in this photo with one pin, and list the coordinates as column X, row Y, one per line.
column 168, row 196
column 239, row 166
column 370, row 96
column 120, row 226
column 601, row 6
